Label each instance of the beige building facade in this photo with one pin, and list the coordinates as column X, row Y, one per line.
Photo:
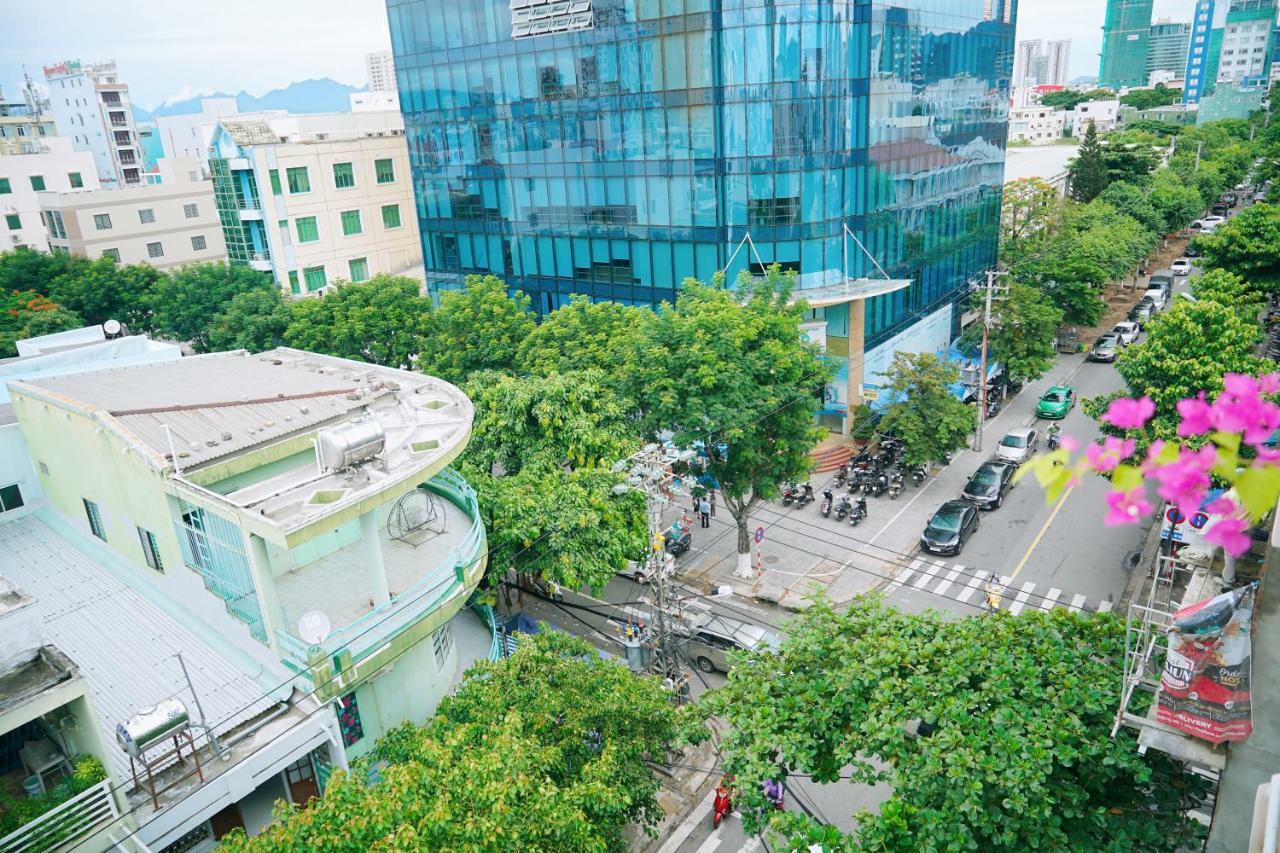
column 164, row 225
column 49, row 163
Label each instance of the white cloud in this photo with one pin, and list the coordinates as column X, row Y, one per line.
column 186, row 93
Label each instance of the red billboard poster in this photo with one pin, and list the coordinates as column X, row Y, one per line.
column 1204, row 690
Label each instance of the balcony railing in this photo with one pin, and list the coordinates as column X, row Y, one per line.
column 442, row 581
column 76, row 818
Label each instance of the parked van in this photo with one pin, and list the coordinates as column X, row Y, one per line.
column 1163, row 280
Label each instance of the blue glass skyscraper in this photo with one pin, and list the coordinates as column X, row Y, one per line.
column 617, row 147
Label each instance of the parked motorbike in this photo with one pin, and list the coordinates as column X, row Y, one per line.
column 842, row 474
column 842, row 507
column 828, row 501
column 789, row 494
column 993, row 408
column 1052, row 437
column 805, row 495
column 895, row 485
column 876, row 486
column 723, row 803
column 858, row 513
column 917, row 475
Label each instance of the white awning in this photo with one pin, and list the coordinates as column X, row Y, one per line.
column 849, row 290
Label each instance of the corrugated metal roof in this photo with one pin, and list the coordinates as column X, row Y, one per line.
column 250, row 132
column 124, row 645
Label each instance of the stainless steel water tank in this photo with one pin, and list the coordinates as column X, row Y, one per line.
column 150, row 725
column 350, row 444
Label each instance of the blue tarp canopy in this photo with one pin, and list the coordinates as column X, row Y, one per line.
column 961, row 390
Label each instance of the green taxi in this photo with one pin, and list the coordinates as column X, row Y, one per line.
column 1056, row 402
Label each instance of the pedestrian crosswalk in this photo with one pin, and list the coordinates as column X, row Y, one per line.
column 970, row 585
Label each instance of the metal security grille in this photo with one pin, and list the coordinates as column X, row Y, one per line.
column 214, row 547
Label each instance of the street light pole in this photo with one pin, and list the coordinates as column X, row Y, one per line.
column 992, row 276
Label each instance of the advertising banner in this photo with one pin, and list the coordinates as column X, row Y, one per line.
column 1204, row 690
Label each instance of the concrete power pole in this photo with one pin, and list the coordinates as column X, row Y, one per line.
column 991, row 287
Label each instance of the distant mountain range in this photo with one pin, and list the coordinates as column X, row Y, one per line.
column 308, row 96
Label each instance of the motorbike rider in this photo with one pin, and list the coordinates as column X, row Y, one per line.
column 1052, row 434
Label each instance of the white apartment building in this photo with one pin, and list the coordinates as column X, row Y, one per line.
column 92, row 107
column 165, row 225
column 317, row 198
column 1245, row 51
column 188, row 135
column 1058, row 63
column 382, row 71
column 1103, row 114
column 1036, row 125
column 48, row 163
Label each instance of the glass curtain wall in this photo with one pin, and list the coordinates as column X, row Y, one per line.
column 620, row 159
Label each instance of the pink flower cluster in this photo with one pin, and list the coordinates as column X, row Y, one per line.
column 1183, row 475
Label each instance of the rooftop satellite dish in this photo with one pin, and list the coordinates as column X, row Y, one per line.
column 112, row 328
column 314, row 627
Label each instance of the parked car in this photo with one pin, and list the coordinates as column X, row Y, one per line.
column 712, row 637
column 949, row 528
column 1229, row 198
column 1209, row 224
column 1105, row 348
column 1018, row 445
column 1158, row 298
column 1220, row 209
column 1192, row 251
column 1181, row 267
column 1126, row 332
column 1056, row 402
column 1142, row 312
column 987, row 487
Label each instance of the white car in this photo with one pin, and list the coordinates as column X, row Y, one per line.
column 1126, row 332
column 1182, row 266
column 1209, row 224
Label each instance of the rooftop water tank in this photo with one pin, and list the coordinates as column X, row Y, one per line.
column 151, row 725
column 349, row 444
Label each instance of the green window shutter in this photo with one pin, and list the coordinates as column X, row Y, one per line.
column 5, row 189
column 344, row 177
column 314, row 277
column 77, row 182
column 391, row 216
column 274, row 174
column 13, row 220
column 385, row 170
column 299, row 180
column 307, row 230
column 37, row 182
column 359, row 268
column 351, row 223
column 294, row 287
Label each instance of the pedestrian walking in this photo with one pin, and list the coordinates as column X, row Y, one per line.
column 704, row 511
column 713, row 503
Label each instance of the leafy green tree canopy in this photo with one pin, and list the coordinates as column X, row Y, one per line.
column 1146, row 99
column 101, row 290
column 546, row 750
column 1088, row 170
column 384, row 320
column 1022, row 340
column 924, row 413
column 1230, row 290
column 27, row 314
column 1069, row 100
column 479, row 328
column 584, row 335
column 1177, row 203
column 184, row 302
column 1248, row 245
column 730, row 370
column 1131, row 200
column 1029, row 216
column 255, row 320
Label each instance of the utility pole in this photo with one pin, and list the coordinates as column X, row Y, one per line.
column 992, row 277
column 1199, row 149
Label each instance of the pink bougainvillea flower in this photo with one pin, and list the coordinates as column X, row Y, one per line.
column 1126, row 507
column 1106, row 456
column 1196, row 416
column 1154, row 449
column 1223, row 505
column 1231, row 534
column 1183, row 482
column 1069, row 444
column 1126, row 413
column 1269, row 383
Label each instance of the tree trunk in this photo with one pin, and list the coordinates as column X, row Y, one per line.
column 740, row 509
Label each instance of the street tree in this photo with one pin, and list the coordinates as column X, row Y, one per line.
column 1079, row 301
column 255, row 320
column 1066, row 99
column 184, row 302
column 23, row 269
column 730, row 371
column 1088, row 170
column 1187, row 350
column 1022, row 338
column 1229, row 289
column 1132, row 163
column 1145, row 99
column 102, row 290
column 550, row 749
column 1248, row 245
column 923, row 412
column 1177, row 203
column 478, row 328
column 27, row 314
column 1132, row 201
column 584, row 335
column 1029, row 216
column 992, row 733
column 384, row 320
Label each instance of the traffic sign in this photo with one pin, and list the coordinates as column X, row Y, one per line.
column 759, row 534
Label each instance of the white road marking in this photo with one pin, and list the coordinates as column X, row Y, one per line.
column 968, row 591
column 712, row 842
column 701, row 812
column 1050, row 600
column 751, row 846
column 1020, row 601
column 905, row 575
column 1076, row 603
column 927, row 576
column 951, row 576
column 1106, row 606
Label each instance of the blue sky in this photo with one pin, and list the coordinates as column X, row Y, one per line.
column 166, row 47
column 177, row 47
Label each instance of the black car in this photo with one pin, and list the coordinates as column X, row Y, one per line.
column 951, row 525
column 987, row 486
column 1191, row 251
column 1141, row 313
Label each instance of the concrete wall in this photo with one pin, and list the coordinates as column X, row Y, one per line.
column 128, row 235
